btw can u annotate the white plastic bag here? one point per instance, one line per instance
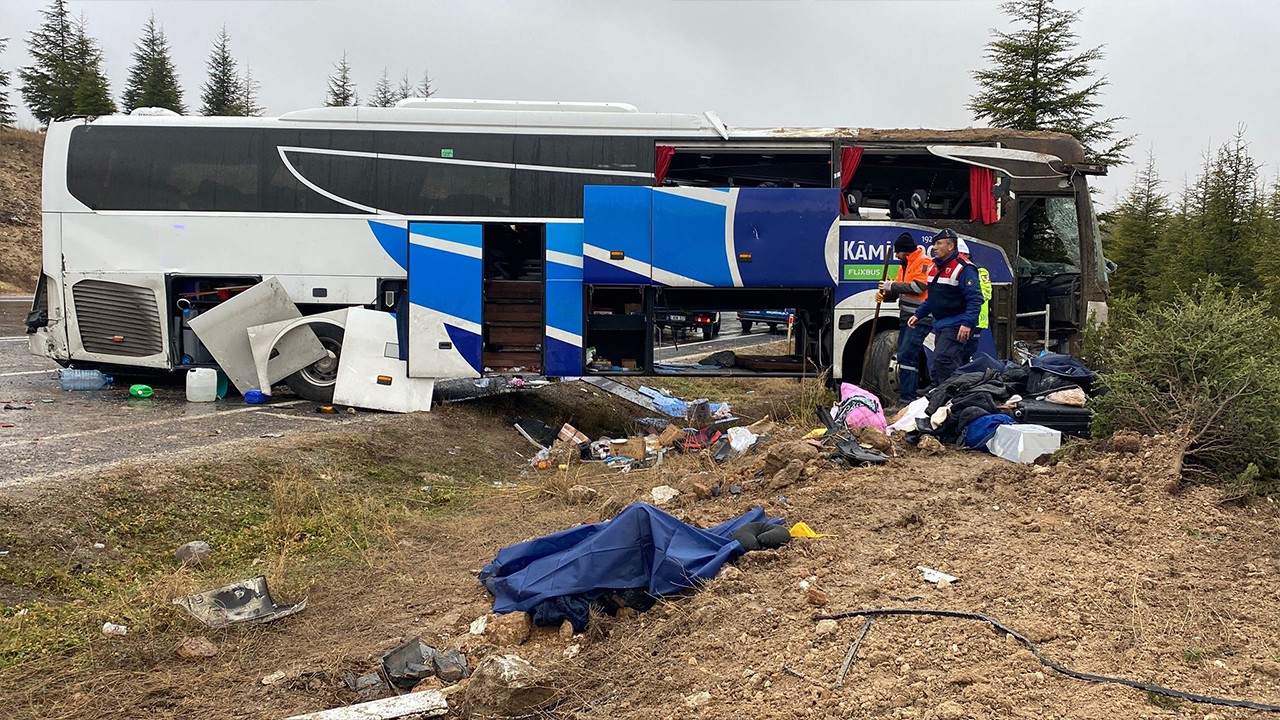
(740, 439)
(1023, 443)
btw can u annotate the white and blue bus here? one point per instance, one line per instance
(543, 236)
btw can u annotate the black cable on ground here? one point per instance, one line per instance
(1158, 690)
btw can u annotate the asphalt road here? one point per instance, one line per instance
(730, 338)
(46, 433)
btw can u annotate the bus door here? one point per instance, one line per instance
(445, 299)
(562, 347)
(745, 237)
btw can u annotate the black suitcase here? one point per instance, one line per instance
(1067, 419)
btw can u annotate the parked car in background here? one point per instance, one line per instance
(772, 318)
(703, 321)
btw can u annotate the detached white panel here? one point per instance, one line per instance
(295, 342)
(371, 374)
(224, 330)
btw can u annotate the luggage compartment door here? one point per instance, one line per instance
(445, 299)
(745, 237)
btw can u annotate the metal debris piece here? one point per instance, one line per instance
(409, 663)
(936, 576)
(240, 602)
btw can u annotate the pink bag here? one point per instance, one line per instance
(858, 408)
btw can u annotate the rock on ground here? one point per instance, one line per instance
(930, 445)
(191, 648)
(508, 630)
(783, 453)
(193, 553)
(787, 475)
(875, 438)
(506, 686)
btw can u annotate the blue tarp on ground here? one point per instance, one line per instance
(642, 547)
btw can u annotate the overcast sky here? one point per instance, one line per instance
(1184, 73)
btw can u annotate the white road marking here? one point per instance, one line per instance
(15, 299)
(28, 372)
(300, 417)
(161, 421)
(13, 338)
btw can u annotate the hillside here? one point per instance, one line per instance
(20, 154)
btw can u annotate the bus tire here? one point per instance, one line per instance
(316, 381)
(746, 327)
(773, 328)
(708, 332)
(882, 372)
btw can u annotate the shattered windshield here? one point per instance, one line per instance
(1049, 236)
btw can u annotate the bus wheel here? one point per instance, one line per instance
(882, 372)
(316, 381)
(746, 327)
(707, 332)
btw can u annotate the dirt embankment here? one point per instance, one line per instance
(20, 155)
(1093, 559)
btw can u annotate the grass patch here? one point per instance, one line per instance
(285, 514)
(1193, 655)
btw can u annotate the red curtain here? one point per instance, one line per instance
(850, 156)
(982, 203)
(662, 163)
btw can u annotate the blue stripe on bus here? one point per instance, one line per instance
(394, 240)
(564, 238)
(467, 344)
(561, 359)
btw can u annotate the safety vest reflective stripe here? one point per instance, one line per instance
(984, 282)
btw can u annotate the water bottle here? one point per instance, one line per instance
(79, 379)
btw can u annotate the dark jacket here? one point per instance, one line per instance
(955, 294)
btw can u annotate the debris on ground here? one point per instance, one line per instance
(426, 704)
(408, 664)
(1024, 443)
(936, 577)
(246, 601)
(110, 628)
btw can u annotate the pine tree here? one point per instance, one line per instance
(342, 89)
(383, 95)
(1219, 228)
(424, 89)
(249, 97)
(1136, 228)
(48, 86)
(6, 107)
(1038, 81)
(222, 93)
(153, 81)
(406, 89)
(92, 93)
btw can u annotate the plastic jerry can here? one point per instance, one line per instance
(202, 385)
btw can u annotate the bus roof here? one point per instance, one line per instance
(523, 116)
